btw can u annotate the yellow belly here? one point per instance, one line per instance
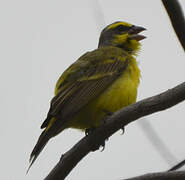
(121, 93)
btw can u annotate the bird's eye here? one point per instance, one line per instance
(122, 28)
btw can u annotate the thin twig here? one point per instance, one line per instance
(177, 166)
(175, 175)
(119, 119)
(176, 15)
(98, 14)
(157, 142)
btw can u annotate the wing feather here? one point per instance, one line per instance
(76, 93)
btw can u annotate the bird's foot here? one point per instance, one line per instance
(98, 146)
(108, 113)
(123, 130)
(103, 145)
(89, 130)
(95, 146)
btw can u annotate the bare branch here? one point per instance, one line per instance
(119, 119)
(175, 175)
(176, 15)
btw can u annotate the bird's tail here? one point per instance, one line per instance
(42, 141)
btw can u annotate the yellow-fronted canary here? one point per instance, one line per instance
(100, 81)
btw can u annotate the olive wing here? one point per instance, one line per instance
(82, 86)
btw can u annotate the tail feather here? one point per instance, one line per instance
(42, 141)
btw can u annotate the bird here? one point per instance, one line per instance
(100, 81)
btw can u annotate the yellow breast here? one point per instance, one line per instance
(121, 93)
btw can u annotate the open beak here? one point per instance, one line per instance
(135, 30)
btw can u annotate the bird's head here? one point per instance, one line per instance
(122, 35)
